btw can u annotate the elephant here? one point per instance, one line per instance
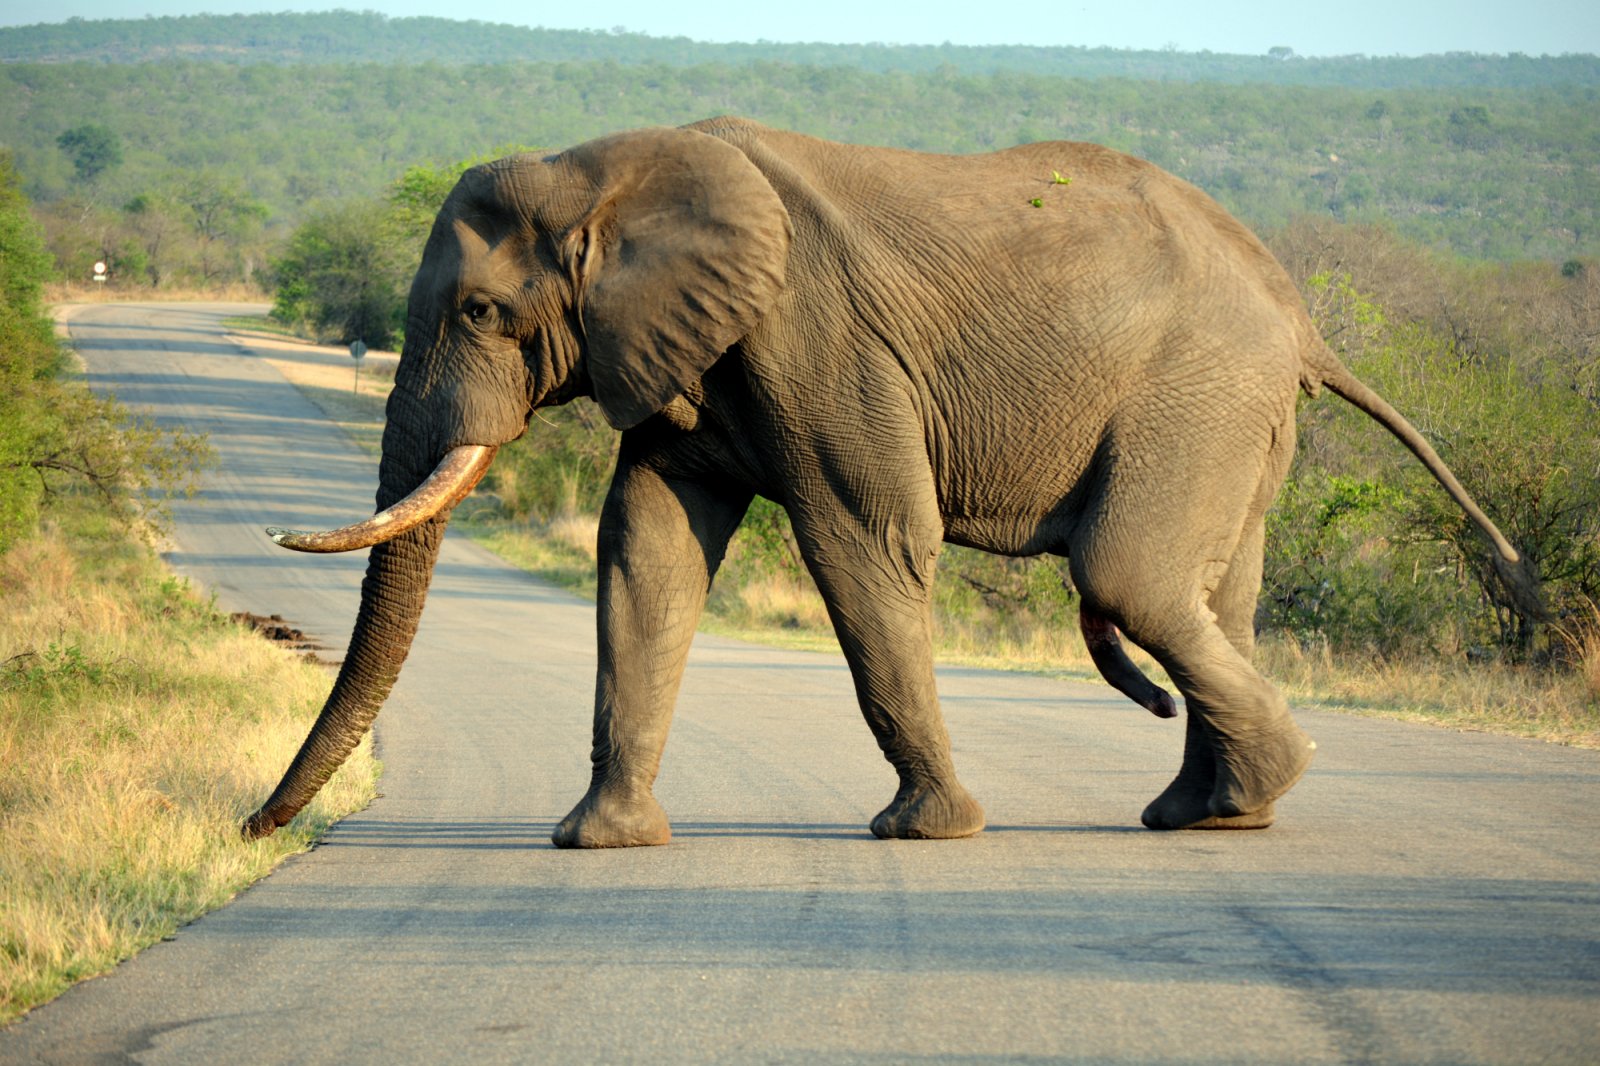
(1055, 348)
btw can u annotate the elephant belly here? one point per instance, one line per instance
(1013, 501)
(1046, 537)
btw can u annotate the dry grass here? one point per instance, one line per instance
(65, 292)
(137, 729)
(776, 602)
(580, 533)
(1583, 638)
(1527, 701)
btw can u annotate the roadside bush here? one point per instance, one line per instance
(1341, 571)
(343, 278)
(29, 359)
(561, 466)
(1364, 547)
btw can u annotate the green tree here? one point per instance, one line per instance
(222, 215)
(92, 148)
(345, 273)
(28, 356)
(155, 231)
(344, 276)
(1340, 569)
(1470, 128)
(416, 196)
(1528, 449)
(54, 435)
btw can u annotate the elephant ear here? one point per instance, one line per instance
(680, 253)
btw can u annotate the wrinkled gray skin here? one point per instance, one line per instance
(902, 350)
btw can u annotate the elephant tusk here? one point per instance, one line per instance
(457, 474)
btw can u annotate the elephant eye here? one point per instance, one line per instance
(480, 310)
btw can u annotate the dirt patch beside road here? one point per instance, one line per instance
(321, 366)
(276, 629)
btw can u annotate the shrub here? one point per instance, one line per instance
(343, 277)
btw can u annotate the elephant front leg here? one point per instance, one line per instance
(877, 587)
(660, 544)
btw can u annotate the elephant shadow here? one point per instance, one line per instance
(503, 835)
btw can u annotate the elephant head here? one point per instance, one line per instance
(620, 270)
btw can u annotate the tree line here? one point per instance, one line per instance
(1490, 174)
(346, 37)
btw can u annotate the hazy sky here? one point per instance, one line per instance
(1371, 27)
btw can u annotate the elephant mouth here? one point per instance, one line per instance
(457, 474)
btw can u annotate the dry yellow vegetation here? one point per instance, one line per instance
(137, 729)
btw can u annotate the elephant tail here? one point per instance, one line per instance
(1515, 573)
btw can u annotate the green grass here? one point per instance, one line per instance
(261, 324)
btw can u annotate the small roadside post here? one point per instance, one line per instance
(358, 351)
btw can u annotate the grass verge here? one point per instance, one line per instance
(1537, 702)
(137, 729)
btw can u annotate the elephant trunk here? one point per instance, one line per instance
(405, 537)
(392, 595)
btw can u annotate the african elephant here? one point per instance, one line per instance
(1054, 348)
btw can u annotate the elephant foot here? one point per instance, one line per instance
(1254, 771)
(604, 821)
(928, 812)
(1188, 808)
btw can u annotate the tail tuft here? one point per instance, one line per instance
(1522, 584)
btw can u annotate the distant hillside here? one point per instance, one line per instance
(341, 37)
(1496, 174)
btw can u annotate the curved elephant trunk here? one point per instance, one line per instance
(405, 539)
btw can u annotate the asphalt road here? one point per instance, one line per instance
(1427, 897)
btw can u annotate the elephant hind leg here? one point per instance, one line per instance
(1186, 802)
(1258, 750)
(1178, 569)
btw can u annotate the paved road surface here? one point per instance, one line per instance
(1427, 897)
